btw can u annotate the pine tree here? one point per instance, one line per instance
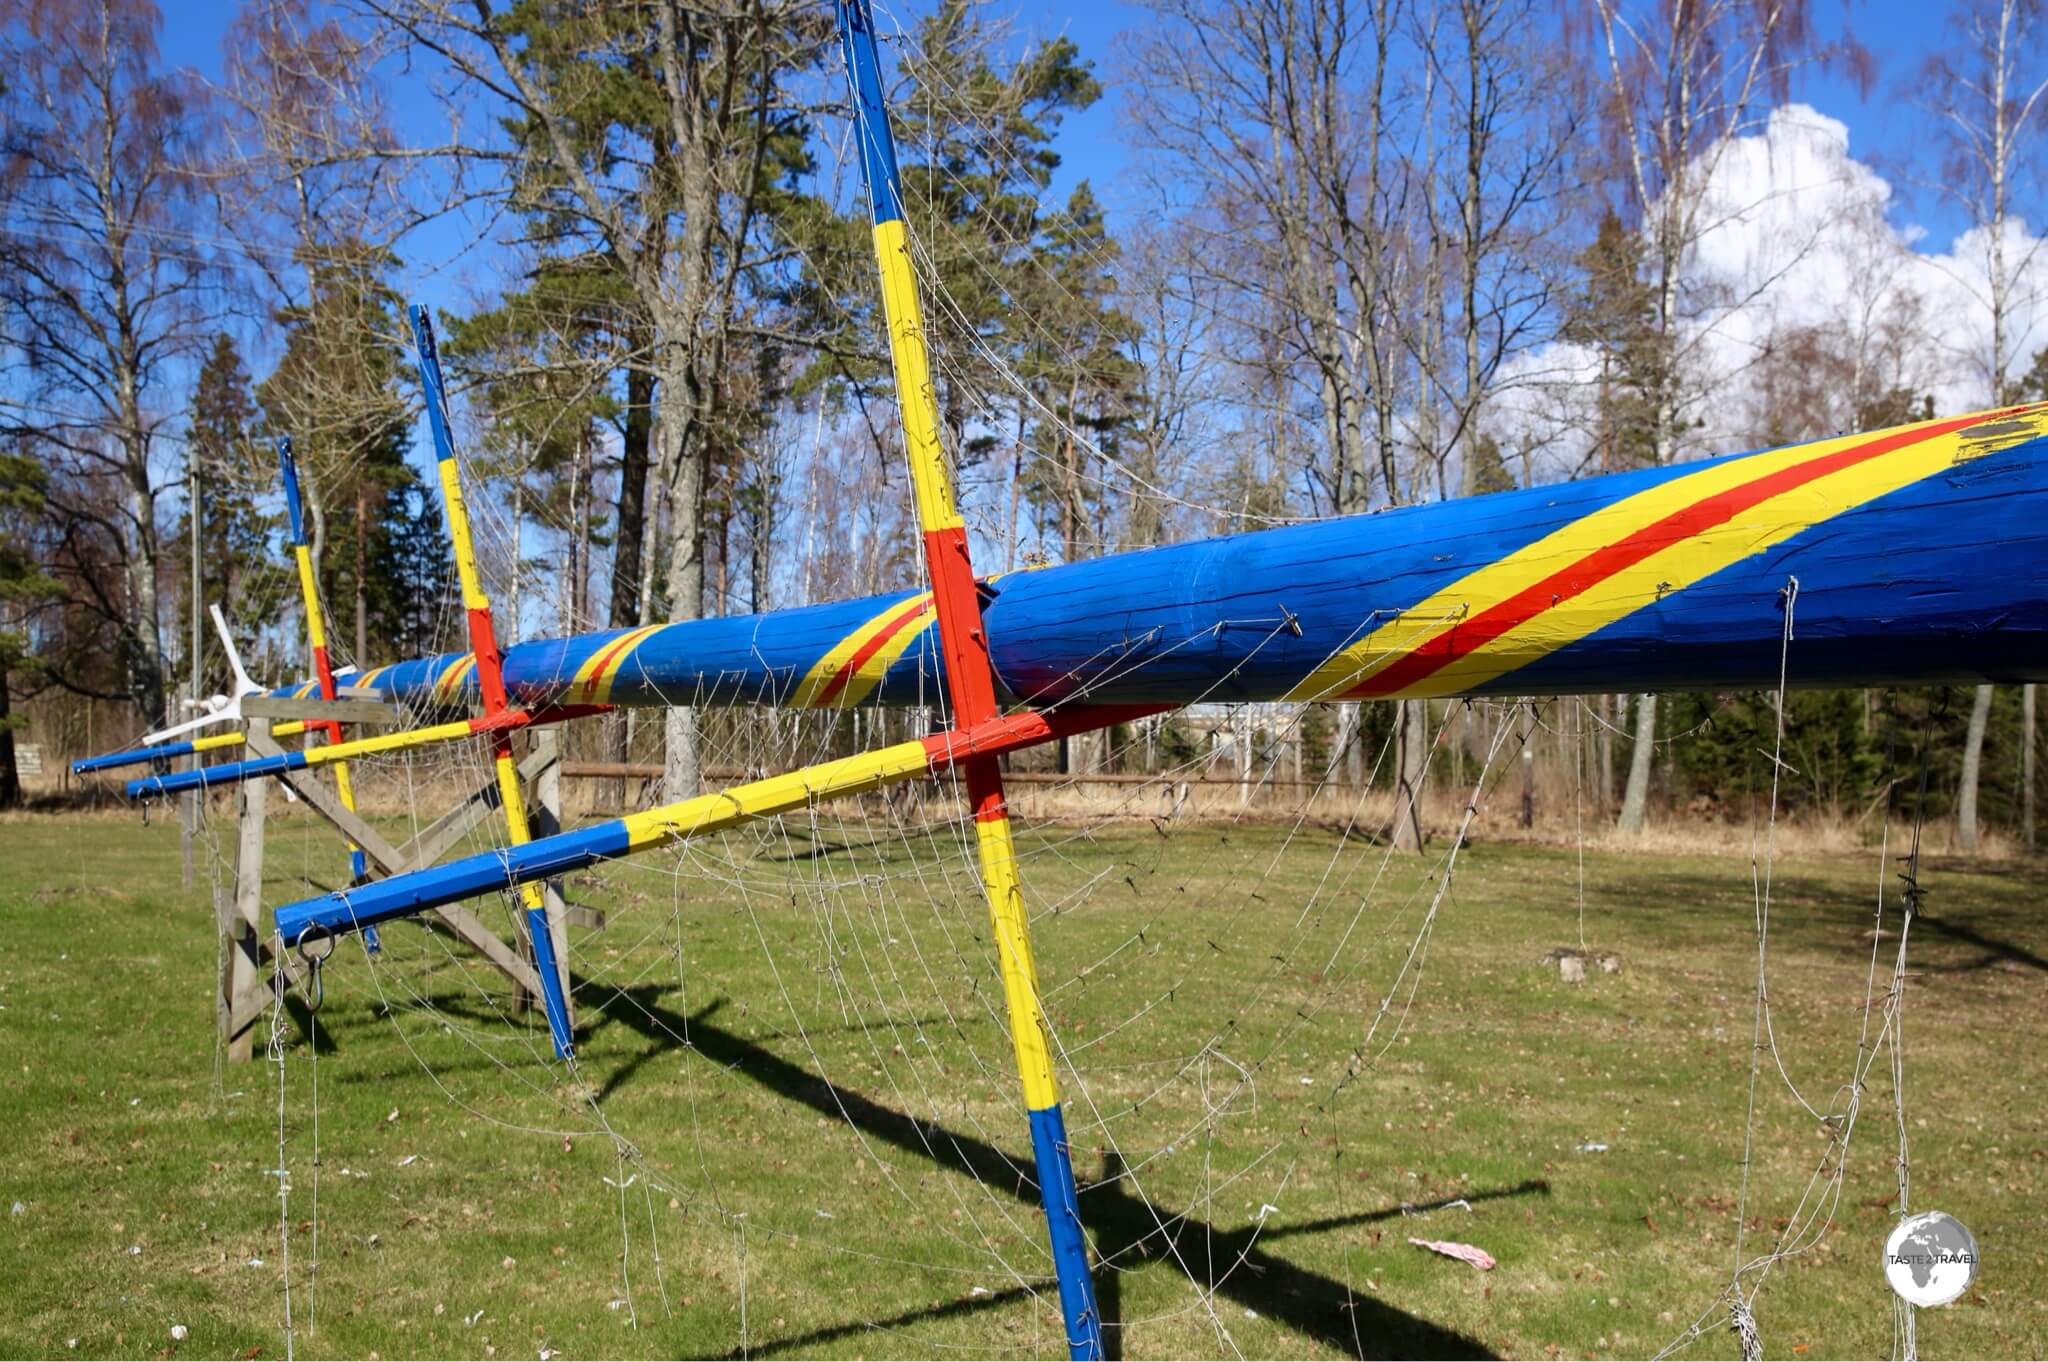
(237, 563)
(1076, 359)
(1613, 313)
(337, 391)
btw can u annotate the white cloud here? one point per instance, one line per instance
(1797, 232)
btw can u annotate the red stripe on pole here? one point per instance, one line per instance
(1468, 636)
(490, 669)
(323, 671)
(604, 660)
(969, 678)
(874, 645)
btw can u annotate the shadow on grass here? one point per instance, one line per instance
(1996, 949)
(303, 1017)
(1818, 914)
(1129, 1233)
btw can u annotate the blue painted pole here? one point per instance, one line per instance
(134, 756)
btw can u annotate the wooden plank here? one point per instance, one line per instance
(376, 713)
(307, 785)
(257, 999)
(432, 842)
(638, 770)
(242, 968)
(470, 928)
(461, 921)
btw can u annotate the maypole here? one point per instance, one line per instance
(970, 680)
(490, 676)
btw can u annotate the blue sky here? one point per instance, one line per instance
(1884, 126)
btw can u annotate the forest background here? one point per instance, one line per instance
(1192, 267)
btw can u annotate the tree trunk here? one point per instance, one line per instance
(683, 461)
(1635, 800)
(1603, 755)
(633, 460)
(145, 643)
(1411, 758)
(1528, 816)
(2027, 765)
(10, 776)
(1973, 766)
(763, 556)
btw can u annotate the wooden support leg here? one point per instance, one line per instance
(391, 861)
(241, 953)
(436, 838)
(247, 984)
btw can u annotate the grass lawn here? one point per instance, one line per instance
(806, 1137)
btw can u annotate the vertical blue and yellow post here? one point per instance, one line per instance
(490, 675)
(970, 680)
(316, 639)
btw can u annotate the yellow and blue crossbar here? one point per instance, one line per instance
(137, 756)
(229, 773)
(546, 857)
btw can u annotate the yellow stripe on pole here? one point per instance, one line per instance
(777, 794)
(316, 636)
(309, 588)
(220, 741)
(401, 741)
(592, 684)
(1013, 955)
(873, 668)
(1675, 567)
(517, 830)
(936, 509)
(473, 597)
(448, 687)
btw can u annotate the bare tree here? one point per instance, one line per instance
(1172, 298)
(1496, 121)
(306, 179)
(1986, 97)
(102, 273)
(1270, 122)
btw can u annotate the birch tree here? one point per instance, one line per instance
(1985, 94)
(103, 277)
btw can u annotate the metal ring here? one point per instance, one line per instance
(310, 937)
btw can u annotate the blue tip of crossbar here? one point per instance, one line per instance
(135, 756)
(223, 773)
(404, 895)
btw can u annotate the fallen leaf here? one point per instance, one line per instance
(1464, 1253)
